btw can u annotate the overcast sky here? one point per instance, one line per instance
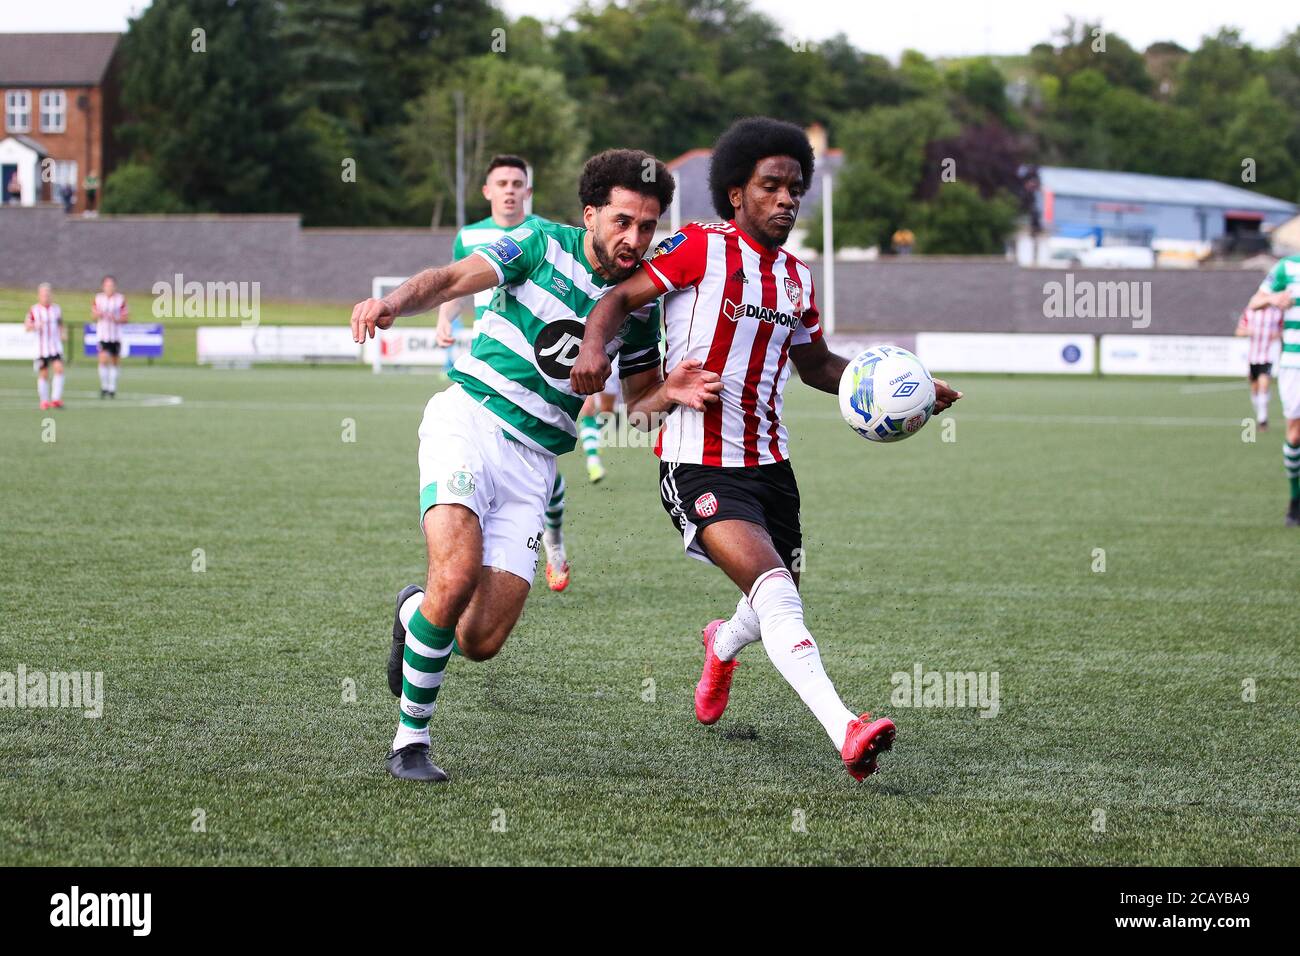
(935, 27)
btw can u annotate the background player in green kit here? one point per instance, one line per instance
(506, 189)
(1281, 288)
(488, 443)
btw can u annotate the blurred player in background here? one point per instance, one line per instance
(488, 444)
(506, 189)
(1264, 326)
(1280, 289)
(45, 319)
(110, 312)
(737, 301)
(602, 402)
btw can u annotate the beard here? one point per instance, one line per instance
(613, 271)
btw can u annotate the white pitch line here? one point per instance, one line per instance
(25, 398)
(1164, 421)
(1212, 387)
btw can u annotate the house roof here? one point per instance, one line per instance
(30, 143)
(55, 59)
(1143, 188)
(692, 171)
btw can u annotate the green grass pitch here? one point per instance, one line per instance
(227, 737)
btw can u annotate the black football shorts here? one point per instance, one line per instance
(695, 496)
(1260, 368)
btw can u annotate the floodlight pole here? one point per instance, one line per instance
(828, 256)
(675, 207)
(460, 158)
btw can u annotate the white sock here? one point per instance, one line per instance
(103, 376)
(58, 386)
(1261, 406)
(409, 607)
(112, 378)
(793, 651)
(409, 735)
(553, 538)
(733, 635)
(43, 389)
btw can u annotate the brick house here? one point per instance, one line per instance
(59, 96)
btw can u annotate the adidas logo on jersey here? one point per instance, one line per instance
(739, 276)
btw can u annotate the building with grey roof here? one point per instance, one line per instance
(1138, 208)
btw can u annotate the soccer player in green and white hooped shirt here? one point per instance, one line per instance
(488, 443)
(1281, 288)
(506, 189)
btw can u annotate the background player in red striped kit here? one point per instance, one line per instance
(110, 312)
(744, 306)
(45, 319)
(1264, 326)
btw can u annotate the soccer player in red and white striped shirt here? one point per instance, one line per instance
(1264, 326)
(45, 319)
(743, 307)
(110, 312)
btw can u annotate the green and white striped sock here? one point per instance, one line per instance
(555, 507)
(1291, 459)
(589, 432)
(428, 648)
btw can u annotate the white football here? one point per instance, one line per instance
(886, 394)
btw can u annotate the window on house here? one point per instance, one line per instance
(65, 173)
(54, 111)
(18, 111)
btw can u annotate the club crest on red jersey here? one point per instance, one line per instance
(706, 505)
(794, 292)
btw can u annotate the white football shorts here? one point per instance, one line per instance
(1288, 387)
(466, 459)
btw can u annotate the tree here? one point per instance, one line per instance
(1090, 46)
(986, 157)
(1258, 132)
(1217, 69)
(517, 109)
(135, 188)
(959, 221)
(207, 90)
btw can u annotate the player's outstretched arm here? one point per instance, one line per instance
(592, 366)
(818, 366)
(420, 293)
(821, 368)
(648, 395)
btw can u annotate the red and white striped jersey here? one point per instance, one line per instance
(112, 314)
(47, 323)
(1264, 326)
(737, 307)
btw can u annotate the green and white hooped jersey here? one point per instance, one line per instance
(1285, 277)
(528, 337)
(473, 237)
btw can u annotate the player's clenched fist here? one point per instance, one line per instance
(590, 371)
(370, 315)
(691, 385)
